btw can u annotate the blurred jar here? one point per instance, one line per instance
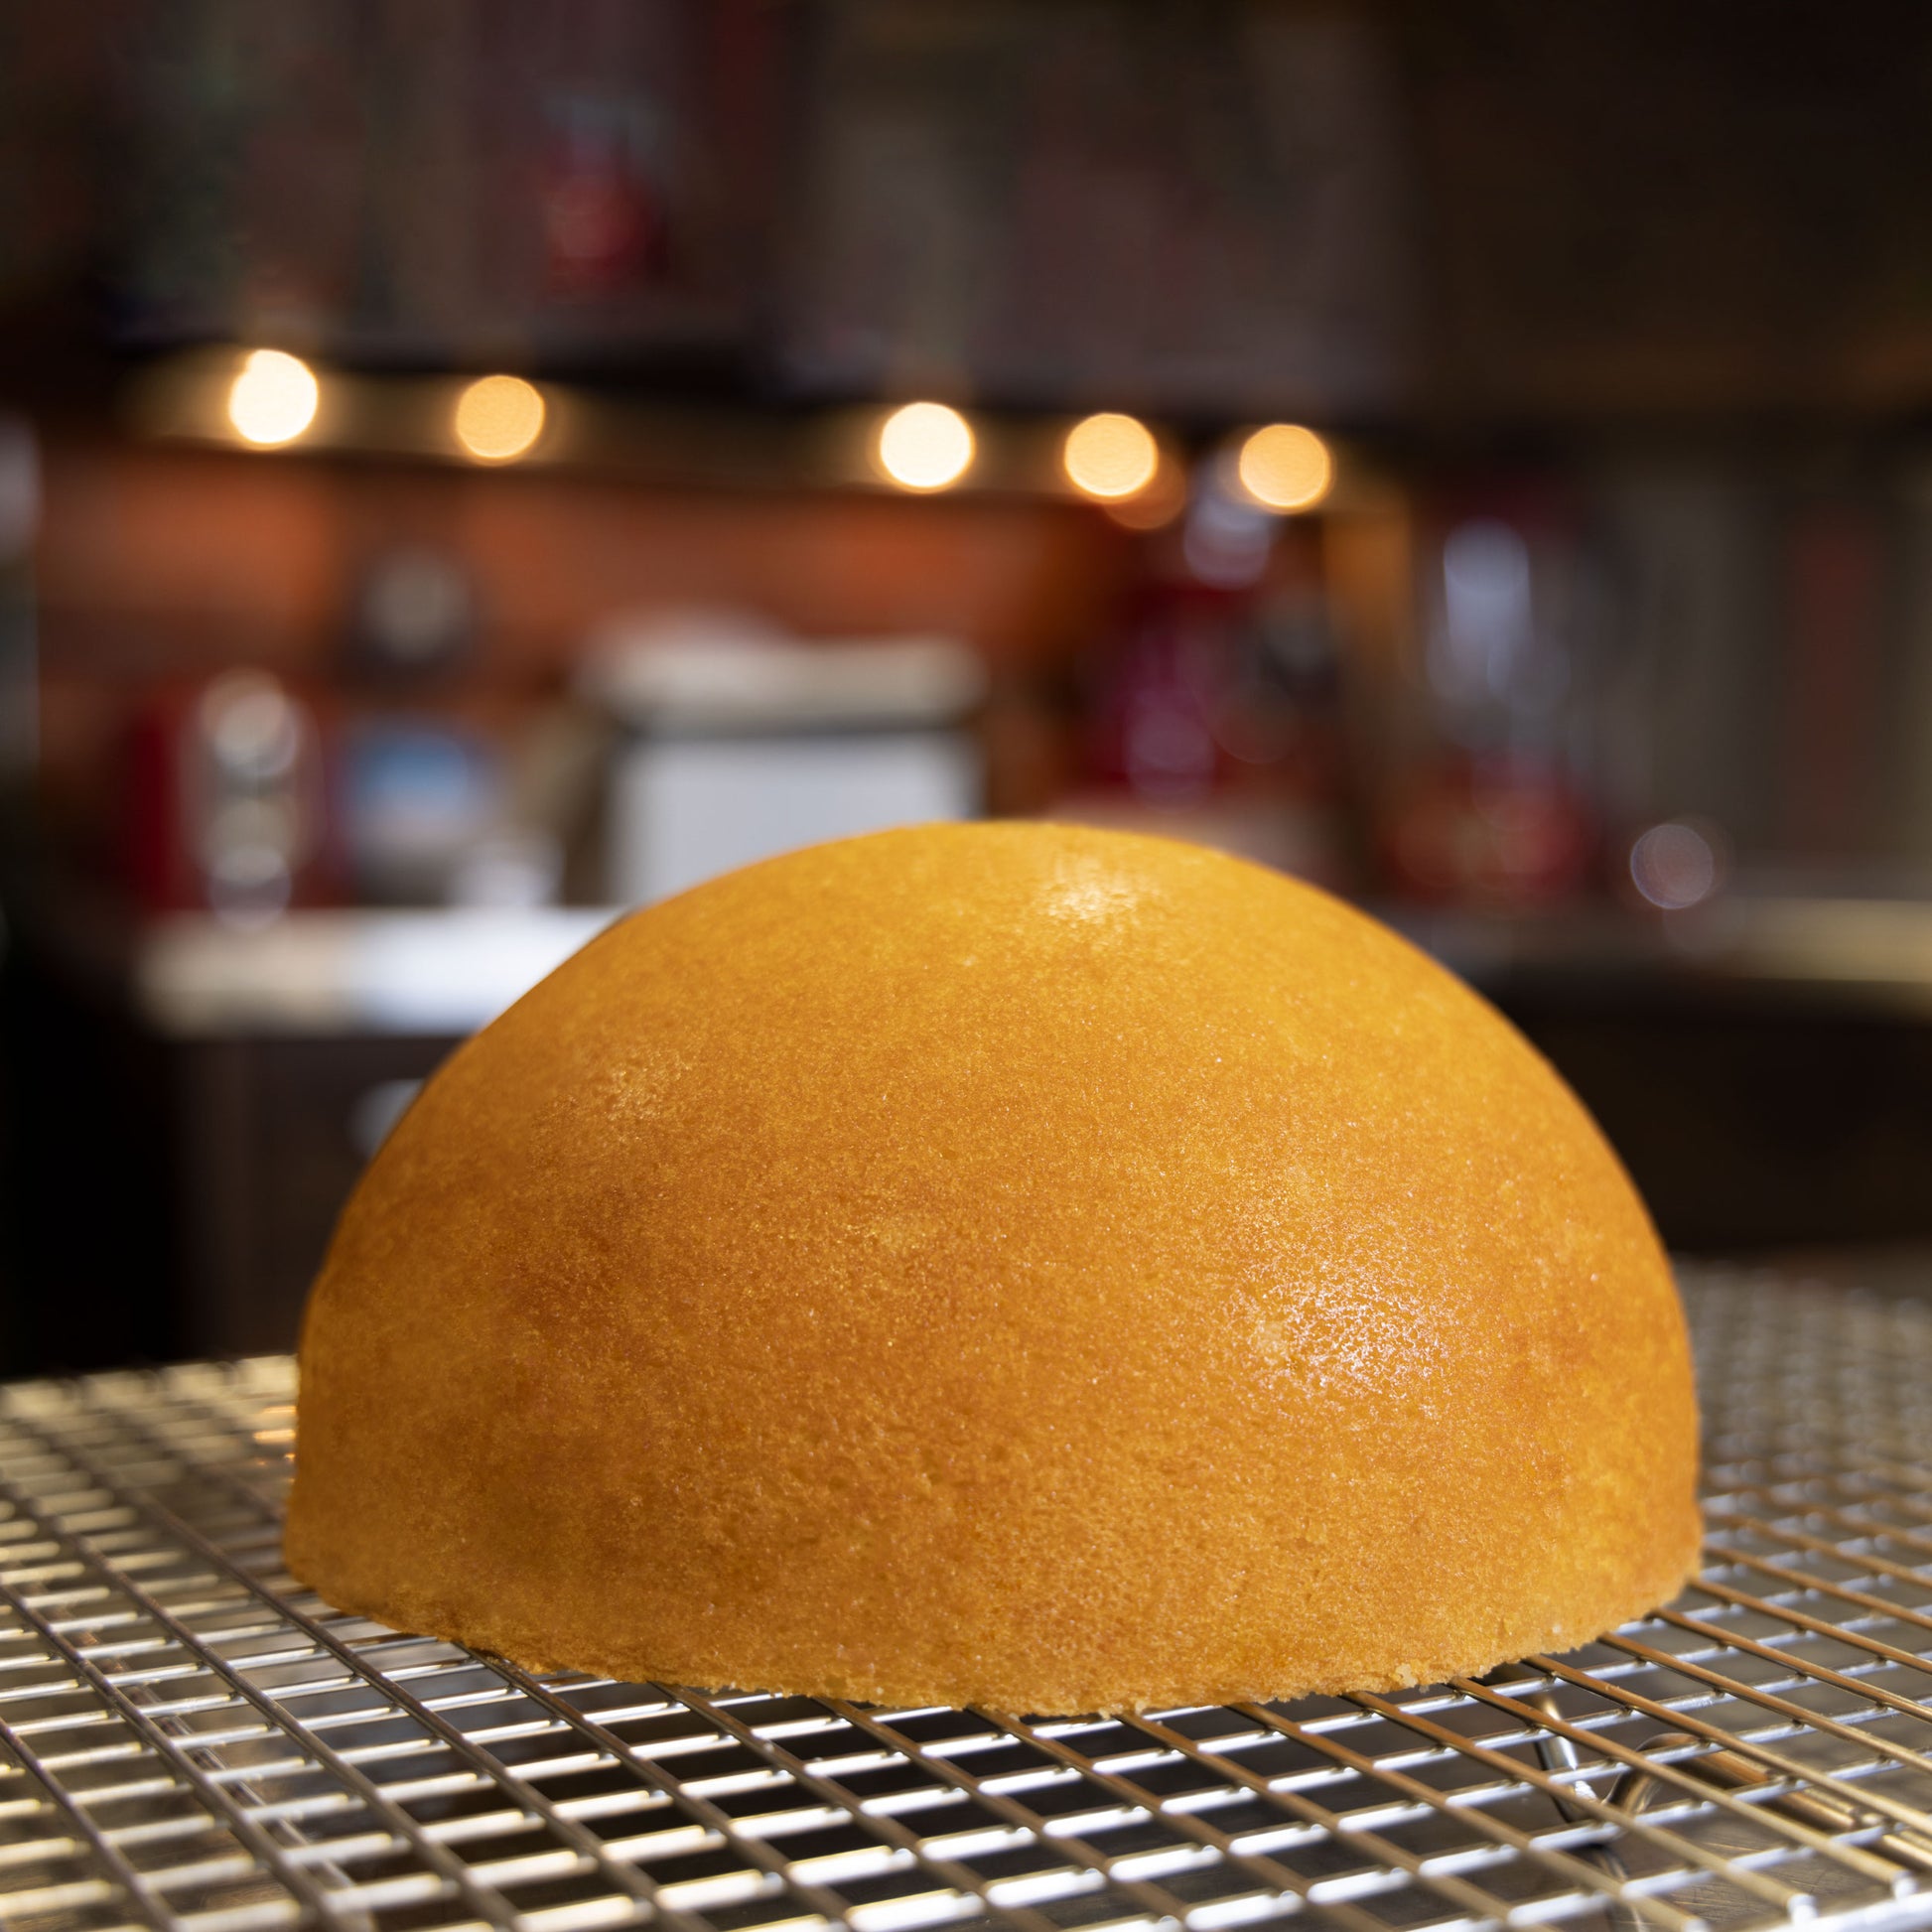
(1215, 717)
(226, 807)
(420, 803)
(1496, 808)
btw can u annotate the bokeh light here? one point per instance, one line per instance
(925, 446)
(498, 418)
(1157, 506)
(273, 399)
(1110, 456)
(1285, 467)
(1675, 865)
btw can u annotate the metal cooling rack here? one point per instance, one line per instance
(188, 1739)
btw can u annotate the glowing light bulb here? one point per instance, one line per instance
(498, 418)
(925, 446)
(1110, 457)
(273, 399)
(1285, 467)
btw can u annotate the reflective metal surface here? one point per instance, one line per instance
(187, 1738)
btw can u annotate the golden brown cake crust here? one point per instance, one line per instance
(1004, 1264)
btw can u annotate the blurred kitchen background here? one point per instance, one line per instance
(469, 467)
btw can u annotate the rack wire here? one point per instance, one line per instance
(190, 1740)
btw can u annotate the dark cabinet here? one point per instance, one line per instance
(270, 1136)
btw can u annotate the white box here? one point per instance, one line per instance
(684, 809)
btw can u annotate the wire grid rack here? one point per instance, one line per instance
(189, 1739)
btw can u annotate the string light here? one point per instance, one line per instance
(925, 446)
(498, 418)
(1285, 467)
(273, 399)
(1110, 457)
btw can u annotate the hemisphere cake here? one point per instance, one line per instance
(1006, 1264)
